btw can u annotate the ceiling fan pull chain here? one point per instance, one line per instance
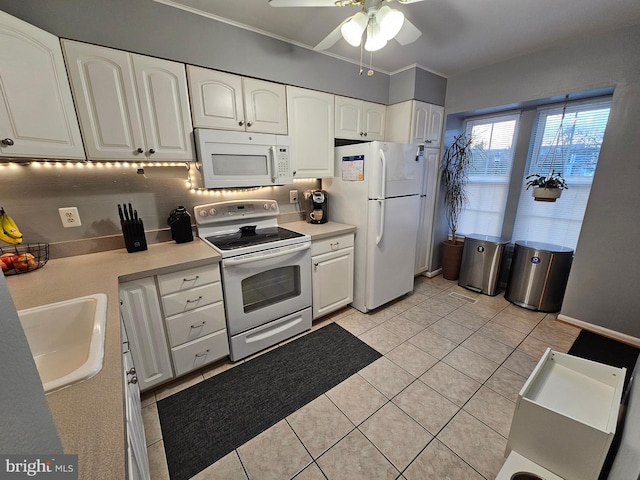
(361, 49)
(370, 72)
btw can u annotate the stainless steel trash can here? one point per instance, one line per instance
(538, 276)
(481, 259)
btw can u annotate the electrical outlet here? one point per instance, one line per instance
(69, 217)
(293, 196)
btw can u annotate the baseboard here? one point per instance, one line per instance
(435, 273)
(605, 332)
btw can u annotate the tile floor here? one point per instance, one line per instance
(437, 405)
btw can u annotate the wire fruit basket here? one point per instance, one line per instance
(23, 258)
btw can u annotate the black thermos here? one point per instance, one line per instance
(180, 223)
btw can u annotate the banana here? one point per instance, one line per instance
(9, 232)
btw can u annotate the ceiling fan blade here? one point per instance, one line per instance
(409, 1)
(302, 3)
(409, 33)
(332, 38)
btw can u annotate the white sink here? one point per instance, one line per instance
(66, 339)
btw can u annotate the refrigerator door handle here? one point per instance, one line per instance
(380, 222)
(383, 176)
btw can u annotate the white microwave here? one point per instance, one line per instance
(229, 159)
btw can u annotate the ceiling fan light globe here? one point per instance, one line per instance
(375, 39)
(353, 29)
(390, 21)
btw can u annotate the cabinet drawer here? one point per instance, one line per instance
(197, 323)
(181, 302)
(198, 353)
(185, 279)
(331, 244)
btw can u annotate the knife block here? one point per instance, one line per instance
(133, 233)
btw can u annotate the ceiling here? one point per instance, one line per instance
(457, 35)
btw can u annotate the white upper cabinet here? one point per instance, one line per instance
(311, 132)
(230, 102)
(415, 122)
(131, 107)
(359, 120)
(37, 117)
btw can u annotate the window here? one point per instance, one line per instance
(490, 175)
(573, 151)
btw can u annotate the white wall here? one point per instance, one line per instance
(602, 287)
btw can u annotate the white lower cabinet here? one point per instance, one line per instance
(176, 323)
(137, 459)
(332, 274)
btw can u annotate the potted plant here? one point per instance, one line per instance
(546, 188)
(456, 164)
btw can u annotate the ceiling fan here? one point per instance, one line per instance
(381, 23)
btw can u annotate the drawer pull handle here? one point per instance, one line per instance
(194, 301)
(202, 354)
(191, 279)
(198, 325)
(335, 246)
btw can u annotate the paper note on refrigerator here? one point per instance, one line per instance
(353, 168)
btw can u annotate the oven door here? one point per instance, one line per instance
(263, 286)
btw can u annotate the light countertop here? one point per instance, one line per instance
(89, 416)
(318, 231)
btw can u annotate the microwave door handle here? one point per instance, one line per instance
(272, 154)
(266, 256)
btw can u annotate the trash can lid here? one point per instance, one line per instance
(543, 246)
(486, 238)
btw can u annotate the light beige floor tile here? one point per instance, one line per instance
(438, 462)
(380, 315)
(487, 347)
(420, 316)
(381, 339)
(356, 398)
(432, 343)
(442, 283)
(503, 334)
(467, 319)
(506, 382)
(412, 359)
(227, 468)
(534, 347)
(386, 376)
(402, 327)
(439, 307)
(426, 288)
(158, 469)
(151, 421)
(521, 363)
(414, 298)
(216, 368)
(483, 309)
(451, 330)
(449, 382)
(396, 435)
(319, 425)
(426, 406)
(274, 454)
(356, 323)
(475, 443)
(178, 385)
(312, 472)
(147, 398)
(454, 297)
(555, 332)
(401, 304)
(492, 409)
(473, 365)
(524, 312)
(356, 458)
(517, 322)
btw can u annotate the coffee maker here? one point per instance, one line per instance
(316, 206)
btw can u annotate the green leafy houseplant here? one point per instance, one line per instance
(456, 163)
(546, 188)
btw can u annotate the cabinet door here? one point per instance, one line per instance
(311, 132)
(142, 318)
(216, 99)
(424, 246)
(373, 119)
(37, 116)
(265, 106)
(105, 93)
(436, 120)
(420, 122)
(332, 281)
(348, 120)
(164, 103)
(398, 122)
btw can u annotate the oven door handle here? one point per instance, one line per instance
(266, 256)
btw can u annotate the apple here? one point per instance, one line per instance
(24, 262)
(7, 261)
(4, 266)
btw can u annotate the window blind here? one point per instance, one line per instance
(571, 146)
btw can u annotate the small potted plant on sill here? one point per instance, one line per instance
(546, 188)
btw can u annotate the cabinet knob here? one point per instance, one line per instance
(365, 134)
(7, 142)
(131, 371)
(133, 380)
(249, 124)
(139, 150)
(428, 141)
(241, 123)
(151, 151)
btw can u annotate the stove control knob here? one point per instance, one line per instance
(213, 212)
(273, 206)
(203, 213)
(266, 206)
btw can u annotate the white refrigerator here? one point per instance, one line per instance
(377, 188)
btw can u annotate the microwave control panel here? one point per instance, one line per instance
(283, 162)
